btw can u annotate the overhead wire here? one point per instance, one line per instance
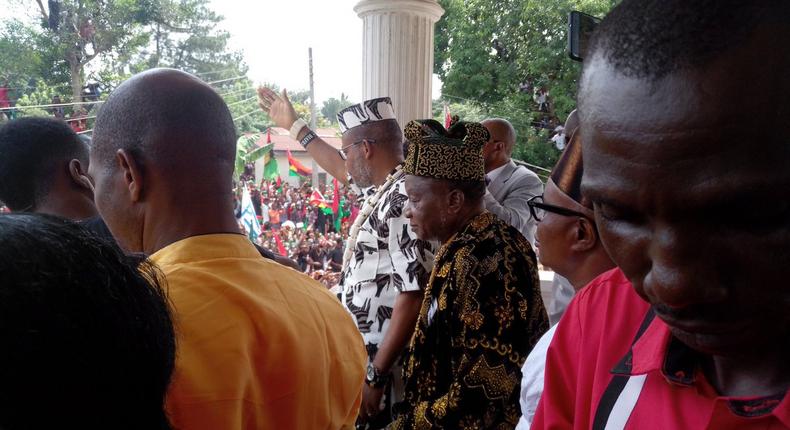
(247, 114)
(80, 119)
(52, 105)
(227, 80)
(95, 102)
(215, 72)
(236, 91)
(242, 101)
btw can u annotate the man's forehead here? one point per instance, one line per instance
(614, 102)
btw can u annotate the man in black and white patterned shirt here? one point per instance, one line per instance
(385, 266)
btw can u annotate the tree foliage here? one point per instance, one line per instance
(74, 42)
(493, 55)
(332, 106)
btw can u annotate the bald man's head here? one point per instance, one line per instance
(499, 148)
(501, 130)
(167, 118)
(164, 149)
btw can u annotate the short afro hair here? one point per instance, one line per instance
(31, 150)
(654, 38)
(86, 331)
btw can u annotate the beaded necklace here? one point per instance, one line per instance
(364, 214)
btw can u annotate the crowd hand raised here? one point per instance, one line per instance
(278, 107)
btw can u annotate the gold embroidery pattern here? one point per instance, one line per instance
(473, 320)
(495, 381)
(436, 155)
(466, 365)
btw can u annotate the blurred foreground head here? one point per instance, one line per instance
(691, 196)
(86, 335)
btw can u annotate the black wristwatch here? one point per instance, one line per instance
(374, 378)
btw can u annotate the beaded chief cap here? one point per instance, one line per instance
(455, 154)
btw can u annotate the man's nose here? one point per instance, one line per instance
(679, 276)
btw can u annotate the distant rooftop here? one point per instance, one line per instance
(282, 140)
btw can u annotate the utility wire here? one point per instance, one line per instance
(236, 91)
(242, 101)
(80, 119)
(227, 80)
(214, 72)
(102, 101)
(51, 105)
(247, 114)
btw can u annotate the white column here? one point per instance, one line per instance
(398, 53)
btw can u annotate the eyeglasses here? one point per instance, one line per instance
(344, 154)
(538, 209)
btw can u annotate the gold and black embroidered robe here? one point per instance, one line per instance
(480, 318)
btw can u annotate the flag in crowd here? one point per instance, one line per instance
(296, 168)
(248, 217)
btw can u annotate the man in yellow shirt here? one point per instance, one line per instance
(260, 346)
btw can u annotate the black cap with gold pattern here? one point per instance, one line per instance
(455, 154)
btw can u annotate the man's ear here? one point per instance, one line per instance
(80, 176)
(455, 201)
(131, 172)
(586, 235)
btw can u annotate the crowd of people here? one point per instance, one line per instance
(131, 297)
(300, 223)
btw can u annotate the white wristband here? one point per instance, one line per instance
(297, 126)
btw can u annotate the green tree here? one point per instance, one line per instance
(493, 54)
(83, 30)
(332, 106)
(26, 57)
(114, 39)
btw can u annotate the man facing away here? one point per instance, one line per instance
(385, 265)
(43, 169)
(509, 186)
(259, 345)
(692, 205)
(482, 311)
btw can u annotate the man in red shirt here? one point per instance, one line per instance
(693, 204)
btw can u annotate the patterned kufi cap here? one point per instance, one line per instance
(369, 111)
(454, 154)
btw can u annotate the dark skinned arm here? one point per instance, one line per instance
(401, 327)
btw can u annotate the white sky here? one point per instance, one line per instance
(274, 36)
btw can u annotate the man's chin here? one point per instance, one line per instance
(719, 344)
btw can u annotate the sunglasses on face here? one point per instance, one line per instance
(538, 209)
(344, 150)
